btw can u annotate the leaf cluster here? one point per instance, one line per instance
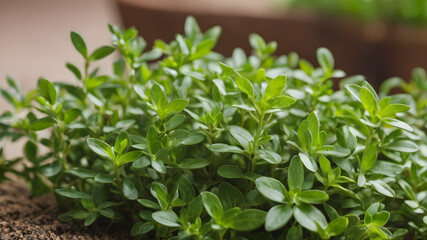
(180, 142)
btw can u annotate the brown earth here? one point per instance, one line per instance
(25, 217)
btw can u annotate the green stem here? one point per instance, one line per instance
(253, 163)
(62, 143)
(118, 182)
(258, 136)
(260, 124)
(242, 120)
(86, 69)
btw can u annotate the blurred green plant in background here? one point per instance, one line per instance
(394, 11)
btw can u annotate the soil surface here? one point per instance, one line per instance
(25, 217)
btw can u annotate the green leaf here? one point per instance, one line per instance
(325, 165)
(95, 82)
(213, 33)
(307, 216)
(191, 27)
(257, 42)
(30, 151)
(354, 91)
(83, 173)
(10, 97)
(108, 213)
(71, 115)
(269, 156)
(74, 70)
(51, 169)
(224, 148)
(193, 138)
(158, 165)
(313, 196)
(387, 168)
(153, 143)
(129, 190)
(244, 85)
(176, 105)
(272, 189)
(368, 101)
(313, 126)
(141, 228)
(229, 216)
(122, 143)
(160, 193)
(141, 162)
(182, 44)
(226, 70)
(391, 110)
(283, 102)
(42, 124)
(90, 219)
(101, 148)
(337, 226)
(195, 208)
(101, 53)
(191, 163)
(308, 162)
(12, 83)
(295, 233)
(325, 59)
(405, 146)
(104, 178)
(369, 157)
(248, 220)
(277, 217)
(380, 219)
(128, 157)
(149, 204)
(230, 171)
(398, 124)
(48, 91)
(295, 174)
(186, 189)
(242, 136)
(175, 122)
(383, 188)
(230, 196)
(275, 87)
(70, 193)
(158, 97)
(166, 218)
(79, 44)
(212, 205)
(203, 48)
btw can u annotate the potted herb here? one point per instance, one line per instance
(182, 143)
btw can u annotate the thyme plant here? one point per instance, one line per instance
(180, 142)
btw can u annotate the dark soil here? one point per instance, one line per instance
(25, 217)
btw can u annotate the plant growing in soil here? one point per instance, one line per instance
(182, 143)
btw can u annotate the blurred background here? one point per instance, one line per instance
(376, 38)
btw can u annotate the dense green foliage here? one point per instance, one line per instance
(395, 11)
(198, 146)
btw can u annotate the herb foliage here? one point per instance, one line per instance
(182, 143)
